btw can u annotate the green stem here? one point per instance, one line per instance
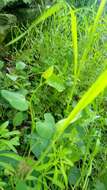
(32, 111)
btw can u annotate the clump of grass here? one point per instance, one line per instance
(59, 149)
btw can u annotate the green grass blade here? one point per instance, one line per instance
(75, 53)
(88, 97)
(46, 14)
(92, 33)
(74, 39)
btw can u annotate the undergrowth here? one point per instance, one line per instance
(53, 130)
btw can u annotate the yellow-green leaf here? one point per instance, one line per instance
(48, 72)
(87, 98)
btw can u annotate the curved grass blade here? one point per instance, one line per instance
(92, 34)
(87, 98)
(46, 14)
(74, 39)
(75, 52)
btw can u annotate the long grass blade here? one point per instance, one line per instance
(75, 52)
(74, 39)
(92, 34)
(88, 97)
(46, 14)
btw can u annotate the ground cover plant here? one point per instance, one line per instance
(53, 99)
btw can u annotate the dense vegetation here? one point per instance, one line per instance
(53, 96)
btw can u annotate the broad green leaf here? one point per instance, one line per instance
(18, 119)
(46, 129)
(38, 144)
(99, 186)
(15, 99)
(41, 139)
(21, 185)
(20, 65)
(50, 119)
(74, 175)
(56, 82)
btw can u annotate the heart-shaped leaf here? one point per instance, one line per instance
(38, 144)
(56, 82)
(74, 175)
(15, 99)
(46, 129)
(41, 138)
(18, 119)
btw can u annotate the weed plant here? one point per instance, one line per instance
(53, 130)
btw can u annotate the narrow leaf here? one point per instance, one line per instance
(74, 39)
(47, 13)
(88, 97)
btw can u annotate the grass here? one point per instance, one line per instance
(59, 66)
